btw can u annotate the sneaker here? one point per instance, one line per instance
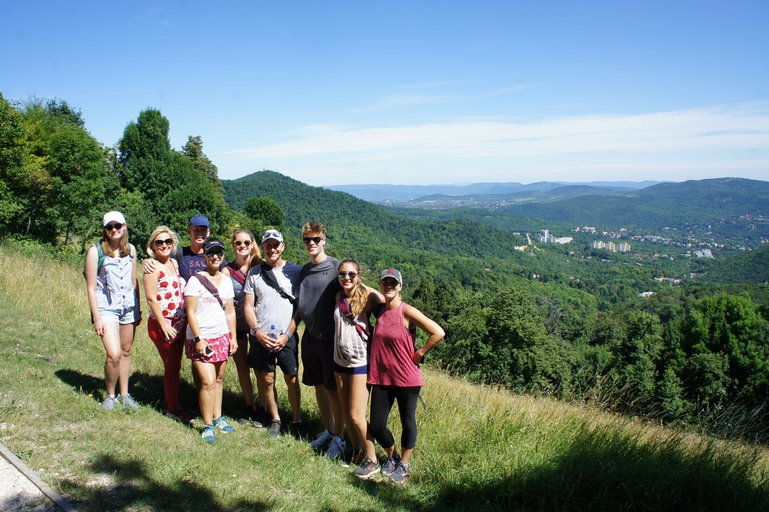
(321, 441)
(209, 434)
(250, 416)
(367, 469)
(274, 430)
(180, 415)
(296, 429)
(390, 464)
(335, 448)
(109, 403)
(221, 424)
(401, 473)
(128, 401)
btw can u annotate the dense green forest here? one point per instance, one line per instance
(566, 321)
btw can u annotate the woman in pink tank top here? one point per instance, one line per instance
(394, 375)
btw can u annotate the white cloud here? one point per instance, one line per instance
(704, 129)
(677, 145)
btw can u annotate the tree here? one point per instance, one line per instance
(170, 184)
(193, 150)
(265, 211)
(727, 343)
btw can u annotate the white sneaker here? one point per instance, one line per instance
(336, 448)
(321, 440)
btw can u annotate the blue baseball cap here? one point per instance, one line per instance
(199, 220)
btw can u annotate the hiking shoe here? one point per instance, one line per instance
(128, 401)
(208, 434)
(335, 448)
(321, 441)
(274, 430)
(390, 464)
(296, 429)
(401, 473)
(254, 416)
(367, 469)
(109, 403)
(221, 424)
(180, 415)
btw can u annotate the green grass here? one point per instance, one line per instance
(479, 448)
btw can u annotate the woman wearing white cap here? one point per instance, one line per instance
(113, 296)
(394, 376)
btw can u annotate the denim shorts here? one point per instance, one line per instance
(119, 314)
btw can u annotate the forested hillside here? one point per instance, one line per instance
(658, 206)
(750, 267)
(457, 251)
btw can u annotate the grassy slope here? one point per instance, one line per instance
(479, 448)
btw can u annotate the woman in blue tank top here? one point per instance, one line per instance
(113, 296)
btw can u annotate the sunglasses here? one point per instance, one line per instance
(308, 239)
(215, 254)
(114, 226)
(348, 275)
(238, 243)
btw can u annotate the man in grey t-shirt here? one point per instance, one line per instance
(270, 290)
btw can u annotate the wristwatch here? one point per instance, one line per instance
(196, 339)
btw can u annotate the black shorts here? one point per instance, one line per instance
(262, 360)
(318, 362)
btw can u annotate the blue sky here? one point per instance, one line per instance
(415, 92)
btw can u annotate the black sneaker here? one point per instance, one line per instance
(296, 429)
(274, 430)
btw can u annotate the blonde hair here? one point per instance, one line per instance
(254, 255)
(314, 227)
(158, 230)
(359, 294)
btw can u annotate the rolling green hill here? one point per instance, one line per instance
(461, 248)
(658, 206)
(749, 267)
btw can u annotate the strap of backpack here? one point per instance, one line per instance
(208, 285)
(236, 273)
(269, 279)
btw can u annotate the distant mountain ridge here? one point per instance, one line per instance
(384, 192)
(658, 206)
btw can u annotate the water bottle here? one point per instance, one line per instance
(273, 334)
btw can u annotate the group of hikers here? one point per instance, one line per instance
(249, 309)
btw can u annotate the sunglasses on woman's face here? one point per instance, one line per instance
(215, 254)
(348, 275)
(308, 239)
(167, 241)
(246, 243)
(116, 226)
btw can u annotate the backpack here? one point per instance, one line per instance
(100, 253)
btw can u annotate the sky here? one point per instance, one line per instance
(415, 92)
